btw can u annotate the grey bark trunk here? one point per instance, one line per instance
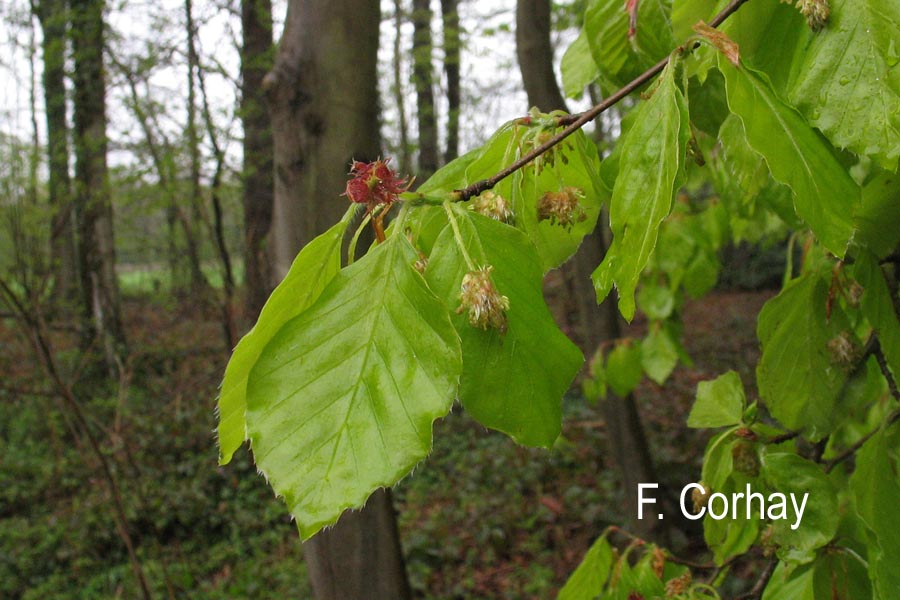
(100, 289)
(53, 17)
(536, 55)
(423, 80)
(452, 47)
(322, 90)
(256, 60)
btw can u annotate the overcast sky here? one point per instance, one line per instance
(491, 84)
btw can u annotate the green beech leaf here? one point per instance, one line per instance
(624, 370)
(651, 165)
(574, 163)
(686, 14)
(656, 301)
(659, 354)
(512, 381)
(878, 218)
(876, 488)
(590, 577)
(824, 193)
(878, 308)
(620, 60)
(788, 473)
(798, 378)
(719, 402)
(841, 574)
(578, 67)
(848, 81)
(791, 584)
(730, 537)
(316, 264)
(342, 399)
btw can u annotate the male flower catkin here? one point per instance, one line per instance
(562, 208)
(494, 206)
(816, 12)
(479, 295)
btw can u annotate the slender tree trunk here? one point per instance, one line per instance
(405, 164)
(322, 92)
(229, 327)
(536, 55)
(423, 81)
(199, 284)
(52, 15)
(100, 289)
(627, 443)
(450, 14)
(256, 60)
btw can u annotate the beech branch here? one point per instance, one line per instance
(575, 122)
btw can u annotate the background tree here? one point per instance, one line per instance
(100, 287)
(53, 17)
(452, 51)
(314, 146)
(424, 85)
(256, 60)
(595, 324)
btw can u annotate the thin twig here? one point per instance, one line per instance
(832, 463)
(882, 364)
(762, 582)
(577, 121)
(42, 349)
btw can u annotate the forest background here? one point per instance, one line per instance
(142, 230)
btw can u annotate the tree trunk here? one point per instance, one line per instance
(199, 284)
(450, 16)
(536, 55)
(100, 289)
(627, 443)
(404, 164)
(422, 79)
(322, 93)
(53, 17)
(256, 60)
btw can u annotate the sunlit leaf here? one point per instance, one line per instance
(590, 577)
(342, 399)
(312, 270)
(719, 402)
(578, 67)
(848, 80)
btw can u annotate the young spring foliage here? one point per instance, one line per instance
(737, 138)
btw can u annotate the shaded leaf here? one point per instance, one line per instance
(788, 473)
(624, 370)
(659, 354)
(797, 376)
(651, 166)
(824, 194)
(511, 382)
(876, 488)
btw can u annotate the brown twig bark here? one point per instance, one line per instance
(575, 122)
(32, 326)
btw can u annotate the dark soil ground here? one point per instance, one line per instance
(481, 518)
